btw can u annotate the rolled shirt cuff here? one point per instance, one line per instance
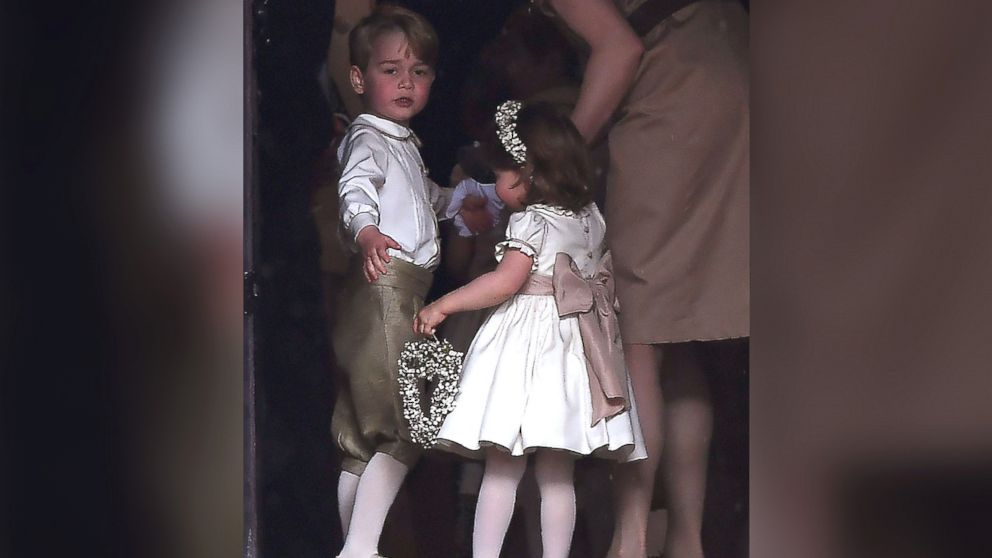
(360, 221)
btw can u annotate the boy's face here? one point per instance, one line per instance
(396, 84)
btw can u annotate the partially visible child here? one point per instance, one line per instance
(545, 373)
(469, 187)
(470, 254)
(467, 256)
(389, 213)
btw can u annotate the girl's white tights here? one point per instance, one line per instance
(498, 494)
(555, 480)
(377, 488)
(497, 497)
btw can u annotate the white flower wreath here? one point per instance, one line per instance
(421, 362)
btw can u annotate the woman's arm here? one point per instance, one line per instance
(485, 291)
(614, 55)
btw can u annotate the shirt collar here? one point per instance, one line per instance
(388, 128)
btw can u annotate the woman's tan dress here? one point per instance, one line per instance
(677, 194)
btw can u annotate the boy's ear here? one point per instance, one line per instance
(357, 80)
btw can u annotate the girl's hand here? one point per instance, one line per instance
(428, 319)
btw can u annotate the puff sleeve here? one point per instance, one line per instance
(525, 231)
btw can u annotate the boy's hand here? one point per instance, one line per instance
(428, 319)
(374, 244)
(477, 218)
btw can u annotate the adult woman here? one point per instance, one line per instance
(677, 213)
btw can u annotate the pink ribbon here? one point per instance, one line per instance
(593, 302)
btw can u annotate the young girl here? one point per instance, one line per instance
(545, 372)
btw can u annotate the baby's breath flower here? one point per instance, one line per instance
(421, 362)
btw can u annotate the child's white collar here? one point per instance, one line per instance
(388, 128)
(556, 210)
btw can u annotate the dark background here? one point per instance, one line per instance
(297, 468)
(870, 270)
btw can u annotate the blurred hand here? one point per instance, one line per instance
(474, 202)
(477, 218)
(374, 247)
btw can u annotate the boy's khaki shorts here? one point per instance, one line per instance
(372, 324)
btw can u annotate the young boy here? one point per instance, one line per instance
(389, 211)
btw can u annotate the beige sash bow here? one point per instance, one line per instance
(592, 301)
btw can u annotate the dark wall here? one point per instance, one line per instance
(296, 506)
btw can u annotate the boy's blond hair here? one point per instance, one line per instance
(418, 31)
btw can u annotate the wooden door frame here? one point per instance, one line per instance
(250, 97)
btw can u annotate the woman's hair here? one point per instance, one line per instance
(532, 33)
(545, 8)
(529, 42)
(386, 19)
(563, 172)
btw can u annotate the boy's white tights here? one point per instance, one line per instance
(347, 488)
(498, 494)
(376, 490)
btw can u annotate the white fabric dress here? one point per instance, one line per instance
(524, 382)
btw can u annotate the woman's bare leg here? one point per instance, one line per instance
(634, 482)
(688, 428)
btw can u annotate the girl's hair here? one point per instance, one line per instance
(563, 172)
(388, 18)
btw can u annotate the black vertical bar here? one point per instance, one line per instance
(251, 545)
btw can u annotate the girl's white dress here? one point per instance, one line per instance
(524, 382)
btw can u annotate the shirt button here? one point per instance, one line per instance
(589, 254)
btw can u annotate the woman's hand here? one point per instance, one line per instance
(428, 319)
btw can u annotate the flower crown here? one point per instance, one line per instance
(506, 122)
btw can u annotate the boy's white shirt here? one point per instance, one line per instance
(384, 183)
